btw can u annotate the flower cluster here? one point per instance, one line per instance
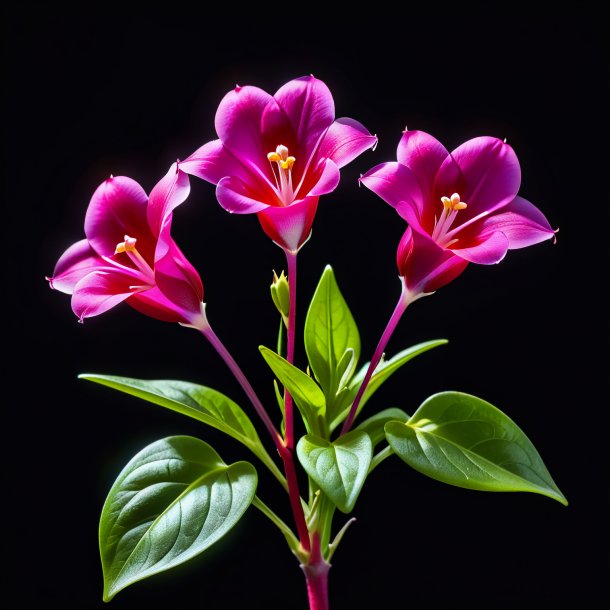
(274, 157)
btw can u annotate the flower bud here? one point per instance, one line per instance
(280, 294)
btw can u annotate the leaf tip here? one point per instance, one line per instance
(557, 495)
(108, 594)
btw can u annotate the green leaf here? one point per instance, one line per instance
(385, 369)
(374, 426)
(462, 440)
(171, 502)
(330, 330)
(345, 368)
(199, 402)
(306, 393)
(339, 468)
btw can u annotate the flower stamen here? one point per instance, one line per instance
(129, 247)
(283, 175)
(451, 206)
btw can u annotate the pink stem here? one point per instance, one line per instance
(295, 497)
(402, 304)
(223, 352)
(291, 260)
(285, 453)
(316, 576)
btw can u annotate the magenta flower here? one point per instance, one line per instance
(277, 154)
(129, 255)
(461, 207)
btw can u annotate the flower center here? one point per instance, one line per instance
(129, 247)
(283, 173)
(451, 206)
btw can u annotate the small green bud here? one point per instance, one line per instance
(280, 293)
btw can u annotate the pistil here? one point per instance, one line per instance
(129, 247)
(283, 173)
(451, 206)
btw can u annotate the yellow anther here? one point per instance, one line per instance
(288, 163)
(280, 156)
(283, 173)
(129, 245)
(454, 203)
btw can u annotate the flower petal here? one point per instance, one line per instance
(100, 291)
(328, 181)
(345, 140)
(178, 280)
(423, 155)
(73, 265)
(117, 208)
(168, 193)
(212, 162)
(426, 266)
(238, 124)
(522, 223)
(490, 250)
(485, 173)
(235, 197)
(412, 214)
(155, 304)
(394, 183)
(310, 108)
(290, 226)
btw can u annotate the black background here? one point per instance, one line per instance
(86, 96)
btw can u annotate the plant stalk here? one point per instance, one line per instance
(291, 261)
(285, 453)
(224, 353)
(316, 575)
(405, 299)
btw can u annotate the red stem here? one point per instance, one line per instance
(295, 498)
(285, 453)
(223, 352)
(316, 576)
(291, 260)
(288, 454)
(403, 302)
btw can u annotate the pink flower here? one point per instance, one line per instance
(277, 154)
(129, 255)
(461, 207)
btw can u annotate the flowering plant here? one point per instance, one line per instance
(274, 157)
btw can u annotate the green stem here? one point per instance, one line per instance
(293, 541)
(280, 337)
(382, 455)
(266, 459)
(327, 511)
(332, 547)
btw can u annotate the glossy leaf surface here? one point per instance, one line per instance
(339, 468)
(330, 330)
(462, 440)
(308, 397)
(171, 502)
